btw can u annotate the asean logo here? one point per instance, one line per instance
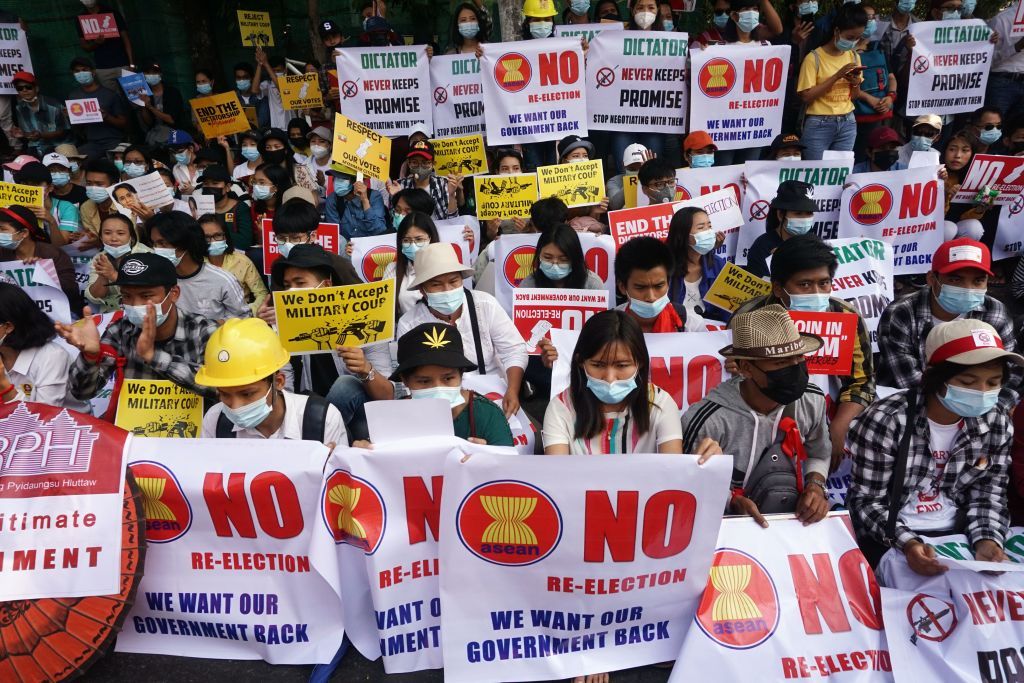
(353, 511)
(682, 194)
(510, 523)
(518, 264)
(871, 204)
(76, 109)
(168, 512)
(512, 72)
(740, 607)
(717, 77)
(376, 261)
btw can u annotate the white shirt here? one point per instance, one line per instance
(291, 427)
(214, 293)
(242, 171)
(184, 177)
(931, 509)
(279, 118)
(622, 436)
(40, 375)
(407, 298)
(1005, 57)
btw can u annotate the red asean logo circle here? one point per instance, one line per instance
(518, 264)
(512, 72)
(376, 261)
(717, 77)
(77, 109)
(168, 512)
(510, 523)
(353, 511)
(682, 193)
(871, 204)
(740, 607)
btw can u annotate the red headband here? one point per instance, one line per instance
(958, 346)
(19, 219)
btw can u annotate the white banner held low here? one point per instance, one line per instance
(864, 279)
(949, 66)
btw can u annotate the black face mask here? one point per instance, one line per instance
(885, 160)
(214, 192)
(786, 385)
(297, 143)
(275, 157)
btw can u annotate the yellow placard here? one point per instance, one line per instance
(460, 156)
(734, 287)
(220, 114)
(505, 196)
(580, 184)
(360, 148)
(300, 91)
(252, 117)
(24, 195)
(630, 186)
(255, 28)
(317, 320)
(159, 408)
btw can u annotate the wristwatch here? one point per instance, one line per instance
(368, 377)
(817, 482)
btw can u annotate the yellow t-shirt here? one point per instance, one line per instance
(818, 67)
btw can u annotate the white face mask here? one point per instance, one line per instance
(645, 20)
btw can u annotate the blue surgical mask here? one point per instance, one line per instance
(799, 226)
(721, 20)
(119, 164)
(169, 253)
(262, 192)
(396, 220)
(469, 29)
(7, 241)
(183, 158)
(989, 137)
(960, 300)
(871, 28)
(905, 6)
(704, 241)
(204, 88)
(117, 252)
(451, 394)
(555, 271)
(410, 251)
(84, 77)
(252, 414)
(844, 45)
(648, 309)
(702, 161)
(668, 25)
(243, 84)
(250, 153)
(97, 194)
(541, 29)
(950, 15)
(967, 9)
(217, 247)
(74, 167)
(134, 170)
(284, 249)
(137, 314)
(342, 187)
(611, 393)
(448, 302)
(920, 143)
(807, 8)
(153, 79)
(969, 402)
(813, 303)
(60, 179)
(579, 7)
(748, 21)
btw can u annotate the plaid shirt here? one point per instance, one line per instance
(975, 477)
(903, 328)
(176, 359)
(438, 192)
(49, 118)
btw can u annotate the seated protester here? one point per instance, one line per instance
(269, 184)
(222, 254)
(643, 267)
(924, 134)
(251, 159)
(1013, 139)
(506, 162)
(296, 223)
(744, 415)
(154, 340)
(785, 147)
(64, 188)
(957, 286)
(137, 162)
(792, 213)
(243, 362)
(446, 192)
(119, 237)
(100, 174)
(183, 152)
(632, 159)
(21, 239)
(430, 364)
(573, 149)
(883, 152)
(987, 124)
(802, 272)
(58, 218)
(358, 210)
(35, 368)
(692, 241)
(406, 201)
(233, 213)
(699, 150)
(957, 157)
(558, 262)
(483, 324)
(544, 213)
(205, 289)
(415, 231)
(298, 130)
(657, 180)
(955, 446)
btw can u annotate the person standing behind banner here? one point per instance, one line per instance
(469, 30)
(112, 55)
(699, 150)
(1005, 90)
(713, 35)
(119, 238)
(21, 239)
(791, 213)
(692, 241)
(576, 12)
(950, 443)
(878, 87)
(222, 254)
(416, 231)
(538, 23)
(35, 368)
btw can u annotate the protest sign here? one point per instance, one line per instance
(448, 225)
(636, 80)
(630, 190)
(734, 287)
(300, 91)
(452, 233)
(199, 204)
(255, 28)
(219, 114)
(1017, 28)
(535, 312)
(371, 256)
(23, 195)
(359, 148)
(588, 31)
(386, 88)
(999, 180)
(904, 208)
(134, 87)
(14, 56)
(1009, 239)
(524, 547)
(84, 111)
(494, 388)
(533, 90)
(505, 196)
(40, 281)
(864, 279)
(60, 505)
(327, 236)
(229, 528)
(159, 408)
(949, 66)
(738, 92)
(576, 184)
(137, 196)
(838, 332)
(643, 221)
(460, 156)
(826, 177)
(698, 182)
(457, 95)
(102, 25)
(317, 320)
(785, 599)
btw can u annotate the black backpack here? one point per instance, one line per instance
(314, 421)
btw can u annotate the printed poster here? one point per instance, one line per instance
(505, 196)
(360, 148)
(463, 156)
(327, 236)
(576, 184)
(535, 312)
(457, 95)
(838, 332)
(949, 66)
(255, 28)
(156, 408)
(318, 320)
(371, 256)
(220, 114)
(25, 195)
(138, 196)
(14, 57)
(84, 111)
(102, 25)
(386, 88)
(734, 287)
(300, 91)
(864, 279)
(999, 178)
(588, 31)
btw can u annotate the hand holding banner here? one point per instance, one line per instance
(386, 88)
(220, 114)
(576, 184)
(535, 312)
(949, 66)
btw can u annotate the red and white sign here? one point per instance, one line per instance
(84, 111)
(737, 93)
(993, 172)
(371, 256)
(1017, 29)
(451, 231)
(98, 26)
(839, 333)
(327, 236)
(535, 312)
(652, 220)
(720, 202)
(547, 576)
(534, 90)
(61, 482)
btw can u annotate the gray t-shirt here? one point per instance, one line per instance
(102, 135)
(214, 293)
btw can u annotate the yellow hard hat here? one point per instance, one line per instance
(539, 8)
(241, 352)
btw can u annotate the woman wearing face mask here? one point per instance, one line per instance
(137, 162)
(714, 33)
(416, 231)
(692, 240)
(269, 182)
(319, 162)
(183, 150)
(162, 112)
(119, 238)
(222, 254)
(233, 214)
(576, 12)
(205, 82)
(947, 445)
(791, 213)
(470, 28)
(21, 239)
(358, 210)
(273, 148)
(558, 262)
(248, 147)
(751, 23)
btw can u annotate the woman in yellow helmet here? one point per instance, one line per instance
(538, 19)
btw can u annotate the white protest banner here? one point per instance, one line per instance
(493, 387)
(1009, 239)
(371, 256)
(1017, 28)
(134, 197)
(386, 88)
(84, 111)
(1000, 180)
(14, 56)
(789, 602)
(722, 205)
(533, 90)
(40, 282)
(904, 208)
(685, 364)
(463, 222)
(229, 527)
(457, 95)
(452, 234)
(549, 577)
(636, 80)
(60, 503)
(949, 66)
(864, 279)
(763, 177)
(535, 312)
(696, 182)
(83, 266)
(737, 93)
(588, 31)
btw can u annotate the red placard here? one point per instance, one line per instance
(642, 221)
(327, 236)
(536, 311)
(98, 26)
(839, 331)
(995, 173)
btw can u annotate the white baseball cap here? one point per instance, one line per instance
(634, 154)
(54, 158)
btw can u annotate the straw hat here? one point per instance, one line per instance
(768, 333)
(437, 259)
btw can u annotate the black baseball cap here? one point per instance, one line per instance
(785, 140)
(146, 269)
(307, 256)
(216, 173)
(328, 27)
(431, 344)
(33, 173)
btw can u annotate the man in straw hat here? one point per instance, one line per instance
(752, 416)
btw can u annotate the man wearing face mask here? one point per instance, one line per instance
(957, 288)
(60, 172)
(101, 136)
(898, 28)
(657, 180)
(111, 54)
(699, 150)
(446, 192)
(791, 214)
(987, 123)
(883, 152)
(39, 121)
(924, 132)
(165, 110)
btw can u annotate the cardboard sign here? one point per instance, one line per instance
(386, 88)
(993, 173)
(734, 287)
(14, 56)
(300, 91)
(535, 312)
(505, 196)
(371, 256)
(457, 95)
(327, 236)
(864, 279)
(159, 408)
(134, 87)
(220, 114)
(317, 320)
(255, 28)
(460, 156)
(652, 220)
(838, 331)
(98, 26)
(133, 197)
(588, 31)
(360, 148)
(576, 184)
(23, 195)
(84, 111)
(949, 66)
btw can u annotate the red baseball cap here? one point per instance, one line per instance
(24, 76)
(698, 139)
(962, 253)
(881, 135)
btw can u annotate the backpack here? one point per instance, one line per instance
(876, 80)
(314, 421)
(777, 480)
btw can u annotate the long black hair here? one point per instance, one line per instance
(598, 334)
(482, 21)
(568, 242)
(413, 219)
(281, 178)
(31, 326)
(181, 231)
(679, 239)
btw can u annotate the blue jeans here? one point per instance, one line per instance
(828, 132)
(349, 397)
(1005, 93)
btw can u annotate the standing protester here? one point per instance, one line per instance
(99, 137)
(112, 55)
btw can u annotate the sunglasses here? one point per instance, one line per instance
(24, 88)
(991, 126)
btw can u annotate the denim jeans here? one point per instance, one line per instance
(828, 132)
(349, 397)
(1004, 93)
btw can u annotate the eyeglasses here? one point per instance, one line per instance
(24, 88)
(216, 237)
(721, 12)
(662, 184)
(417, 242)
(297, 238)
(991, 126)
